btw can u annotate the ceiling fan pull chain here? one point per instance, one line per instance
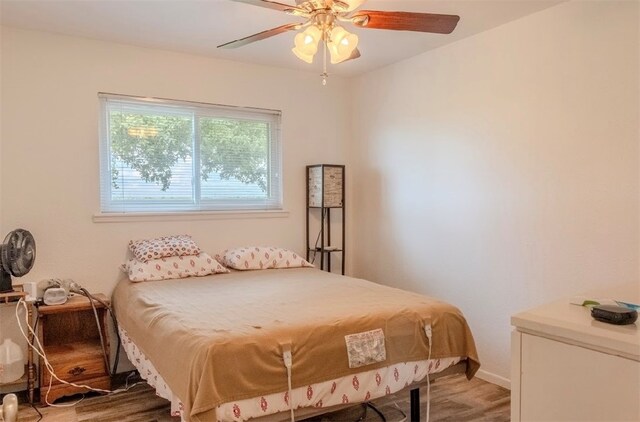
(324, 75)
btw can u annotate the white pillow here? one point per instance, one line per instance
(172, 267)
(261, 258)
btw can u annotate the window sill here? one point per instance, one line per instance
(187, 216)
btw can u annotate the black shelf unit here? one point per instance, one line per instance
(325, 194)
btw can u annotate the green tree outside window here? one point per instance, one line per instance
(153, 144)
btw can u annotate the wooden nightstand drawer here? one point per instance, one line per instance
(75, 362)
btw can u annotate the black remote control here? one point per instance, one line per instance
(614, 314)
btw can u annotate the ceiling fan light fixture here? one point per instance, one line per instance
(306, 43)
(304, 57)
(342, 44)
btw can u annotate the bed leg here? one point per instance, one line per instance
(415, 405)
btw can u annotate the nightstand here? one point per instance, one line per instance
(71, 342)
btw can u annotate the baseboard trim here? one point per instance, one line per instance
(494, 379)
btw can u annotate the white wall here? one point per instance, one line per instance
(501, 171)
(49, 168)
(497, 173)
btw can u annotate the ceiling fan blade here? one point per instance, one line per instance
(294, 10)
(406, 21)
(260, 36)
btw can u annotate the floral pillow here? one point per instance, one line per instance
(261, 258)
(161, 247)
(172, 267)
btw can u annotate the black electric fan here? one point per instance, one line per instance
(17, 255)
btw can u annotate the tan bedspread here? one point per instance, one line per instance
(219, 338)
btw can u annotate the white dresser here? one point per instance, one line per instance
(565, 366)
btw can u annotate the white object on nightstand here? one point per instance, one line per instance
(567, 366)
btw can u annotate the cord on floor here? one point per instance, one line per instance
(37, 411)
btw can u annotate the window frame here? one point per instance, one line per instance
(197, 205)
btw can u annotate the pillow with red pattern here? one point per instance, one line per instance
(162, 247)
(261, 258)
(172, 267)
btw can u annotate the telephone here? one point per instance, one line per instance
(55, 296)
(55, 291)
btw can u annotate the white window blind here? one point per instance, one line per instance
(173, 156)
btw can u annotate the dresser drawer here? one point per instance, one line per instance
(562, 382)
(74, 362)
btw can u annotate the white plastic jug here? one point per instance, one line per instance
(11, 362)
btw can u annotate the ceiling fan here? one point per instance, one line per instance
(322, 24)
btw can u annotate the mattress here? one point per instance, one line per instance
(220, 339)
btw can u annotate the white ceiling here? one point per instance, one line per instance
(199, 26)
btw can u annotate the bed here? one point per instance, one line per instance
(215, 345)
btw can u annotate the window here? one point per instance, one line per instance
(173, 156)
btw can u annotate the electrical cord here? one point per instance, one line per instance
(115, 326)
(375, 409)
(37, 347)
(35, 327)
(92, 298)
(404, 415)
(33, 405)
(364, 413)
(95, 313)
(287, 356)
(35, 324)
(428, 332)
(76, 288)
(37, 411)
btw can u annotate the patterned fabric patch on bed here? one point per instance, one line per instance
(365, 348)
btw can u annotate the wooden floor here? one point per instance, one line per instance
(453, 399)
